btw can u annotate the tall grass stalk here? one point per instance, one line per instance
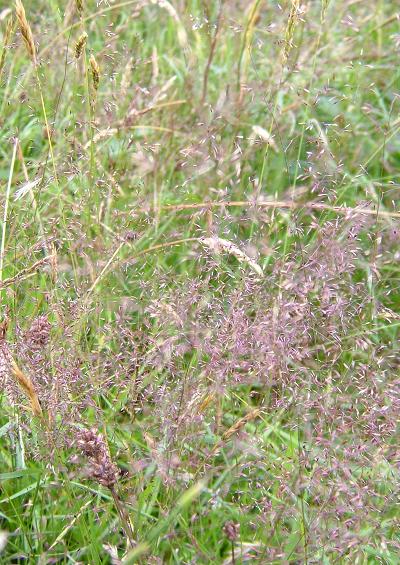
(5, 213)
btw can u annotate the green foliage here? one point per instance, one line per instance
(323, 89)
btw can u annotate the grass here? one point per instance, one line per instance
(199, 263)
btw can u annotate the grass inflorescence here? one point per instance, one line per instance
(200, 308)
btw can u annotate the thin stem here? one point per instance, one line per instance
(212, 52)
(33, 197)
(246, 43)
(6, 203)
(139, 254)
(46, 122)
(106, 266)
(127, 526)
(91, 108)
(301, 494)
(286, 204)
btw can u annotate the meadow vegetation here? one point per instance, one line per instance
(199, 281)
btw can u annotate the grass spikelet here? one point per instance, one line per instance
(206, 401)
(27, 386)
(236, 427)
(80, 45)
(79, 6)
(6, 43)
(325, 4)
(126, 77)
(217, 243)
(291, 24)
(244, 55)
(27, 35)
(95, 70)
(25, 29)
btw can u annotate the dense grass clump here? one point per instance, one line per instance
(199, 357)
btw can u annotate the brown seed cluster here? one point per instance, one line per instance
(38, 334)
(28, 387)
(231, 530)
(101, 469)
(238, 425)
(80, 44)
(95, 69)
(25, 29)
(79, 6)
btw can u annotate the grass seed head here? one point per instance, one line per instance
(6, 42)
(231, 530)
(79, 6)
(94, 447)
(293, 18)
(28, 387)
(38, 335)
(25, 29)
(218, 243)
(239, 424)
(95, 69)
(80, 45)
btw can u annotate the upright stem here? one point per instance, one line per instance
(46, 122)
(7, 200)
(124, 518)
(212, 52)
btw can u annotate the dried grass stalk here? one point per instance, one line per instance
(236, 427)
(347, 211)
(27, 386)
(217, 243)
(25, 29)
(206, 401)
(26, 273)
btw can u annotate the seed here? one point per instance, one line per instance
(95, 71)
(80, 44)
(79, 6)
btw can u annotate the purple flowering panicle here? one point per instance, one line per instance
(101, 468)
